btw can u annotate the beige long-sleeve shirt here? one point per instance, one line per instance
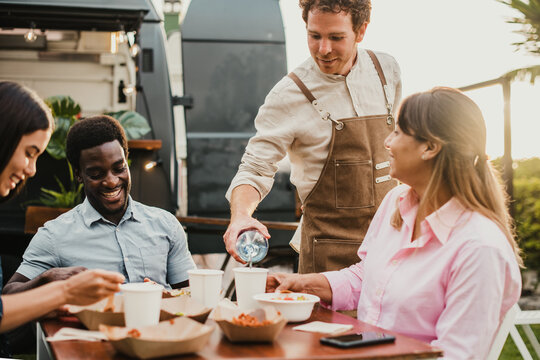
(287, 123)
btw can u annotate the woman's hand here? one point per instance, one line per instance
(315, 284)
(91, 286)
(282, 281)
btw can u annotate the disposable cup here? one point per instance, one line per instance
(205, 286)
(249, 282)
(142, 303)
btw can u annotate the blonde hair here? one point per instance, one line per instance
(448, 117)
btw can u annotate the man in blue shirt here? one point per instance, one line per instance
(109, 230)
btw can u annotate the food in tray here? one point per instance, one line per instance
(257, 325)
(134, 333)
(248, 320)
(169, 293)
(168, 338)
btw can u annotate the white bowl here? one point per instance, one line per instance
(293, 310)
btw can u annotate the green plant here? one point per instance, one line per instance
(527, 210)
(134, 124)
(65, 198)
(66, 112)
(526, 203)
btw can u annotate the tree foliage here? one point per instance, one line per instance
(527, 209)
(529, 21)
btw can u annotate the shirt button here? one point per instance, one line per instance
(378, 292)
(126, 259)
(394, 262)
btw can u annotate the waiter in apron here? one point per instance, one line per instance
(330, 116)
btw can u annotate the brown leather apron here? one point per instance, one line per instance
(352, 184)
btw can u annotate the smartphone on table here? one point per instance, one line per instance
(358, 339)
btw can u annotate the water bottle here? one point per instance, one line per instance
(251, 246)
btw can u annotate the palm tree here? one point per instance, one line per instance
(530, 21)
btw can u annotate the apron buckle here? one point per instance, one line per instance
(339, 124)
(390, 119)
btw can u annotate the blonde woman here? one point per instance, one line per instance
(439, 262)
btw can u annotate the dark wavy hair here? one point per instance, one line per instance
(22, 112)
(90, 132)
(360, 10)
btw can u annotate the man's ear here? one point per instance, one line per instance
(431, 150)
(77, 175)
(361, 32)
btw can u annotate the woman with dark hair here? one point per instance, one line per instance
(26, 124)
(439, 262)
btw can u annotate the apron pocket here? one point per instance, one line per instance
(335, 254)
(354, 184)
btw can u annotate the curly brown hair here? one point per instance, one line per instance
(359, 9)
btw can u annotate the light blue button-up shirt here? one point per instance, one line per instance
(148, 242)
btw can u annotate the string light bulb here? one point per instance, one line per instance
(129, 90)
(30, 36)
(151, 164)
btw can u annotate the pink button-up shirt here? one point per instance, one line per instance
(451, 286)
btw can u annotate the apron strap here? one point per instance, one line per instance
(325, 115)
(377, 67)
(380, 72)
(302, 86)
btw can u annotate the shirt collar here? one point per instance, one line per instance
(441, 222)
(91, 215)
(445, 219)
(408, 206)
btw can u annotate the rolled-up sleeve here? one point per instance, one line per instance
(275, 133)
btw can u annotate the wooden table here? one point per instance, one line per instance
(290, 344)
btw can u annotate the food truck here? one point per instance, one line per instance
(199, 90)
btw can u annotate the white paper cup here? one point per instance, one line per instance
(205, 286)
(142, 303)
(249, 282)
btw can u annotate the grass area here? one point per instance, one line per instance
(510, 351)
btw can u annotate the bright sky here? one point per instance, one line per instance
(452, 43)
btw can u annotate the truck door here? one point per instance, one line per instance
(233, 54)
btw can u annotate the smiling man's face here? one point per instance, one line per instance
(332, 40)
(105, 174)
